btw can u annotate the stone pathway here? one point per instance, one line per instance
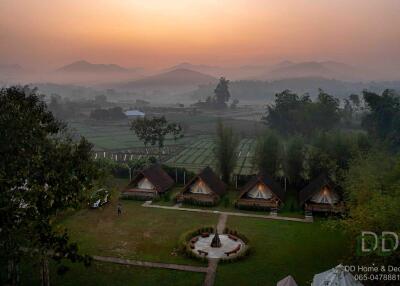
(213, 262)
(222, 222)
(152, 264)
(149, 205)
(211, 272)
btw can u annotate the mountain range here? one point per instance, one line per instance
(327, 69)
(179, 77)
(87, 67)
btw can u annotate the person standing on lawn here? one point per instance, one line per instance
(119, 209)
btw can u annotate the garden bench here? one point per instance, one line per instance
(194, 239)
(202, 252)
(232, 237)
(237, 248)
(205, 234)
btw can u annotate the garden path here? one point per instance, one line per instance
(151, 264)
(148, 204)
(213, 262)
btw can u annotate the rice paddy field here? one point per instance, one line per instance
(200, 154)
(112, 135)
(116, 141)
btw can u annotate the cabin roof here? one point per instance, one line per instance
(208, 176)
(314, 187)
(157, 176)
(266, 179)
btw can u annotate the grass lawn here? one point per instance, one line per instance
(141, 233)
(113, 274)
(279, 249)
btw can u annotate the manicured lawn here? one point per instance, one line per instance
(140, 233)
(279, 249)
(113, 274)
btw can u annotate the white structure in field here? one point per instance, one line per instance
(287, 281)
(337, 276)
(134, 113)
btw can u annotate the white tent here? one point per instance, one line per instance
(337, 276)
(145, 184)
(260, 191)
(287, 281)
(325, 196)
(200, 188)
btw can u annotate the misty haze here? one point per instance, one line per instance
(189, 142)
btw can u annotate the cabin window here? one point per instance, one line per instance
(325, 196)
(199, 187)
(145, 184)
(260, 191)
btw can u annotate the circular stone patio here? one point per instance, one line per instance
(227, 244)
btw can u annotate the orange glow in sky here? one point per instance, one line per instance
(154, 33)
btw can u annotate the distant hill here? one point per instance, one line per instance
(326, 69)
(174, 78)
(257, 90)
(86, 67)
(10, 69)
(189, 66)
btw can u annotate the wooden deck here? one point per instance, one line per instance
(142, 193)
(313, 207)
(248, 202)
(212, 198)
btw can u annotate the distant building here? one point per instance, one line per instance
(134, 113)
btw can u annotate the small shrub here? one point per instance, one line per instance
(226, 202)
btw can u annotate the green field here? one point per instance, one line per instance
(200, 154)
(282, 248)
(140, 233)
(112, 135)
(112, 274)
(279, 248)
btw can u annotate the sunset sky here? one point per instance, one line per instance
(153, 33)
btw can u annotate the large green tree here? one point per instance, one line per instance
(383, 119)
(293, 114)
(372, 191)
(226, 145)
(294, 163)
(269, 153)
(221, 93)
(42, 173)
(154, 130)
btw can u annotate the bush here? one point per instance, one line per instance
(252, 207)
(242, 254)
(137, 198)
(226, 202)
(166, 197)
(191, 201)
